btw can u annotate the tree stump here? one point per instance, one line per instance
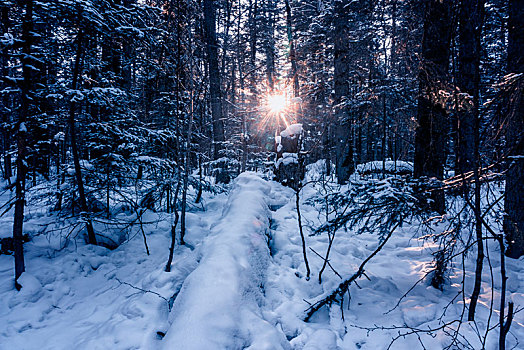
(289, 169)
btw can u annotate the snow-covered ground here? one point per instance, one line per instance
(377, 302)
(89, 297)
(242, 286)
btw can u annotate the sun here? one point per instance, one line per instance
(276, 103)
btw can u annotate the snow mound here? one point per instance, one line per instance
(322, 339)
(219, 305)
(292, 130)
(287, 159)
(31, 288)
(391, 167)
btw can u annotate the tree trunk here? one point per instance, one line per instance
(514, 201)
(430, 135)
(253, 29)
(384, 134)
(471, 17)
(21, 139)
(214, 76)
(292, 55)
(270, 45)
(174, 223)
(74, 147)
(344, 144)
(245, 134)
(4, 111)
(187, 155)
(240, 61)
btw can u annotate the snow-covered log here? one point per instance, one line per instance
(218, 306)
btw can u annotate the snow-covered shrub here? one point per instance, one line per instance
(376, 206)
(224, 169)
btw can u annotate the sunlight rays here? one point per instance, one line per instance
(276, 103)
(275, 113)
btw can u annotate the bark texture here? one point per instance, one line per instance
(214, 76)
(343, 132)
(91, 238)
(514, 201)
(431, 131)
(471, 17)
(21, 143)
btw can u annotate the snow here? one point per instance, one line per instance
(88, 297)
(397, 166)
(219, 305)
(286, 159)
(292, 130)
(322, 339)
(242, 286)
(59, 136)
(403, 261)
(7, 39)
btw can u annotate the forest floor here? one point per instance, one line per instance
(240, 283)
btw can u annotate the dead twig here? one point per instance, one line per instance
(344, 286)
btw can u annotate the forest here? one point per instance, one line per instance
(261, 174)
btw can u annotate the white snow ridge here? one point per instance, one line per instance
(219, 305)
